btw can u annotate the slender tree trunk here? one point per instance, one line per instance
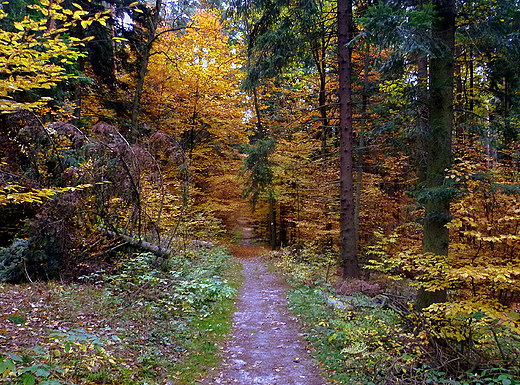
(283, 229)
(273, 241)
(471, 83)
(256, 104)
(422, 116)
(322, 101)
(438, 140)
(112, 35)
(348, 238)
(155, 17)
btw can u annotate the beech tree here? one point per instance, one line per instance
(29, 49)
(192, 97)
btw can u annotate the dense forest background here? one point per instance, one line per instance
(157, 125)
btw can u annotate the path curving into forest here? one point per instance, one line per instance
(266, 345)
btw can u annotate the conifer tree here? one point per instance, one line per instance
(348, 236)
(438, 150)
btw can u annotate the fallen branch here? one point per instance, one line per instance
(157, 250)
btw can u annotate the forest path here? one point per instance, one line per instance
(265, 346)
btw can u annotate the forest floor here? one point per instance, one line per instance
(79, 332)
(266, 343)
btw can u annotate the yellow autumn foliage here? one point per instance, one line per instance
(35, 55)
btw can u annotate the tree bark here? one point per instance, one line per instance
(422, 116)
(155, 18)
(348, 238)
(438, 140)
(361, 143)
(273, 238)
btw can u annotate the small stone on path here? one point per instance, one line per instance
(265, 336)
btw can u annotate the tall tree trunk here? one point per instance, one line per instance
(348, 238)
(283, 229)
(155, 18)
(361, 144)
(422, 116)
(273, 240)
(438, 140)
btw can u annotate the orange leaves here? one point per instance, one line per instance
(192, 96)
(193, 81)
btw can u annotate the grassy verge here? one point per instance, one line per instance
(206, 334)
(356, 343)
(142, 324)
(379, 339)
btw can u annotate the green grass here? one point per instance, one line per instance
(144, 325)
(205, 335)
(358, 345)
(367, 344)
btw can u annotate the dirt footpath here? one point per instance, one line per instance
(266, 345)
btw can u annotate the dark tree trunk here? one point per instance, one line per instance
(348, 238)
(155, 18)
(283, 239)
(273, 239)
(438, 140)
(422, 116)
(361, 143)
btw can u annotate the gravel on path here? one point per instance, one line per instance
(266, 345)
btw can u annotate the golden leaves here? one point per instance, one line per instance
(28, 54)
(194, 82)
(15, 194)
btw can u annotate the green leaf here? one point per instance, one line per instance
(17, 319)
(7, 365)
(505, 379)
(42, 372)
(38, 350)
(514, 315)
(28, 379)
(15, 357)
(478, 315)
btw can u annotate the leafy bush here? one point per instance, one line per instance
(27, 260)
(29, 369)
(12, 261)
(147, 322)
(360, 343)
(83, 351)
(474, 329)
(186, 284)
(471, 333)
(383, 340)
(304, 264)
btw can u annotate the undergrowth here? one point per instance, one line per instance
(377, 338)
(145, 323)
